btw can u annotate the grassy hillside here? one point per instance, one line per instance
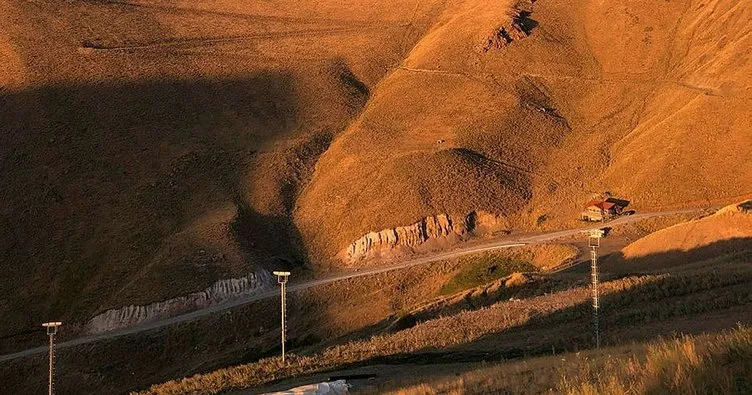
(318, 318)
(717, 364)
(556, 315)
(152, 147)
(727, 231)
(642, 99)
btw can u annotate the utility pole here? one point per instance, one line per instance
(282, 280)
(594, 241)
(51, 332)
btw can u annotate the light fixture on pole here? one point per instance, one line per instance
(51, 332)
(594, 241)
(282, 280)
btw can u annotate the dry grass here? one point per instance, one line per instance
(545, 122)
(317, 319)
(731, 222)
(718, 364)
(548, 256)
(150, 148)
(348, 307)
(632, 302)
(708, 364)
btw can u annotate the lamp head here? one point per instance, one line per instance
(282, 276)
(52, 327)
(594, 237)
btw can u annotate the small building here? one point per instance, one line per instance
(602, 210)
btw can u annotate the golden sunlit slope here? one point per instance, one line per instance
(527, 108)
(728, 231)
(438, 136)
(695, 128)
(150, 148)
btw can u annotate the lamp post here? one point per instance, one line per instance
(282, 280)
(51, 332)
(594, 241)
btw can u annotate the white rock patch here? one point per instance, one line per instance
(220, 291)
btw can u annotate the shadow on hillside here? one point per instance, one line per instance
(525, 22)
(617, 263)
(651, 304)
(716, 364)
(97, 176)
(613, 267)
(689, 302)
(271, 238)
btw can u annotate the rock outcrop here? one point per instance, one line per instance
(520, 27)
(430, 228)
(220, 291)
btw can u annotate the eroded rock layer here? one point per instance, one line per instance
(220, 291)
(439, 226)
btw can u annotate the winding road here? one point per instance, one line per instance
(506, 242)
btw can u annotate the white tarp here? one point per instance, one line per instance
(338, 387)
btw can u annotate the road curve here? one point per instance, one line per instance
(507, 242)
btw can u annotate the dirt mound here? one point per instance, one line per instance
(516, 280)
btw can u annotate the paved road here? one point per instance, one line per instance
(506, 242)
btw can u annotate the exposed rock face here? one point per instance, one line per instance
(520, 27)
(433, 227)
(220, 291)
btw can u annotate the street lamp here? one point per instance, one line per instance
(51, 332)
(282, 280)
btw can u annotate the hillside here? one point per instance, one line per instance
(689, 278)
(728, 231)
(150, 148)
(548, 315)
(690, 364)
(530, 126)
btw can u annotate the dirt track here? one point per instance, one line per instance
(507, 242)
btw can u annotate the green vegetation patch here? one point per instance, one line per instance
(483, 269)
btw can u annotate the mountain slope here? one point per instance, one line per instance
(647, 100)
(152, 147)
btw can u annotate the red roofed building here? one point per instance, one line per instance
(601, 210)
